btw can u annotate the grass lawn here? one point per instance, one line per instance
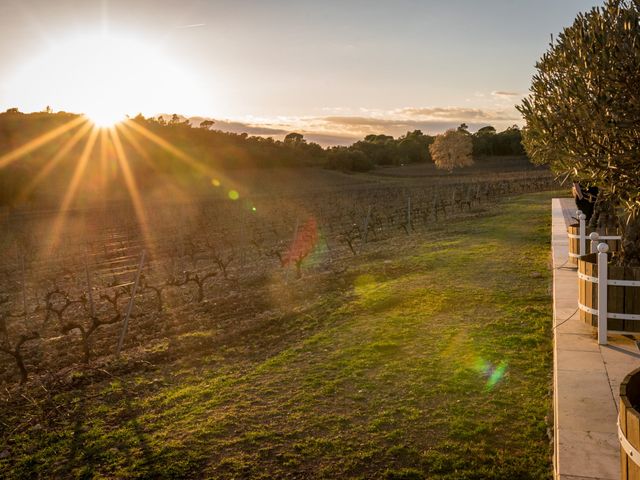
(430, 357)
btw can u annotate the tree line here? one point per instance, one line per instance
(213, 148)
(294, 150)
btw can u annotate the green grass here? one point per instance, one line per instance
(435, 361)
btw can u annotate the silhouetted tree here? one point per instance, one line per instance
(294, 138)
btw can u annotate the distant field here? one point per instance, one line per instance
(482, 166)
(297, 181)
(424, 356)
(283, 181)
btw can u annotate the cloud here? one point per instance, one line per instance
(326, 139)
(311, 128)
(343, 129)
(362, 126)
(501, 93)
(240, 127)
(430, 120)
(193, 25)
(363, 121)
(459, 113)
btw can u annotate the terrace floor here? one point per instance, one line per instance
(587, 376)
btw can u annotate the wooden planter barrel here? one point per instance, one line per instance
(621, 299)
(574, 242)
(629, 426)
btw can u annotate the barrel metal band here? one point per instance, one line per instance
(584, 308)
(624, 283)
(629, 449)
(613, 283)
(588, 278)
(613, 316)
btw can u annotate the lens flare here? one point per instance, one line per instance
(496, 375)
(493, 373)
(303, 243)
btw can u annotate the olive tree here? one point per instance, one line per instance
(583, 110)
(452, 149)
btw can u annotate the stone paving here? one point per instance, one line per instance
(586, 375)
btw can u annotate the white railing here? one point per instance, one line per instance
(582, 235)
(603, 282)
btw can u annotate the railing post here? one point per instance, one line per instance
(594, 236)
(603, 260)
(583, 234)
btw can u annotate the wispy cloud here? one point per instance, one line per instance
(345, 125)
(459, 113)
(504, 94)
(327, 139)
(361, 126)
(364, 121)
(193, 25)
(241, 127)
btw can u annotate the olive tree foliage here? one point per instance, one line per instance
(583, 110)
(452, 149)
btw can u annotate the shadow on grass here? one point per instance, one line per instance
(89, 455)
(76, 444)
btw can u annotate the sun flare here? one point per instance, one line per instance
(107, 76)
(104, 117)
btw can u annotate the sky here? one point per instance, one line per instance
(332, 70)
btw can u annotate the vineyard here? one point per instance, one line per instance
(110, 283)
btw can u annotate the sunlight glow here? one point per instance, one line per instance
(69, 196)
(200, 167)
(132, 188)
(84, 185)
(54, 161)
(103, 117)
(105, 76)
(38, 142)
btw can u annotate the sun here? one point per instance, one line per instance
(103, 117)
(107, 76)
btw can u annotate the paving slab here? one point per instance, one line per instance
(571, 338)
(581, 361)
(585, 409)
(587, 376)
(589, 454)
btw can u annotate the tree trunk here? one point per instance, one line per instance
(604, 215)
(630, 256)
(21, 367)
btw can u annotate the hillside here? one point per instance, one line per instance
(405, 361)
